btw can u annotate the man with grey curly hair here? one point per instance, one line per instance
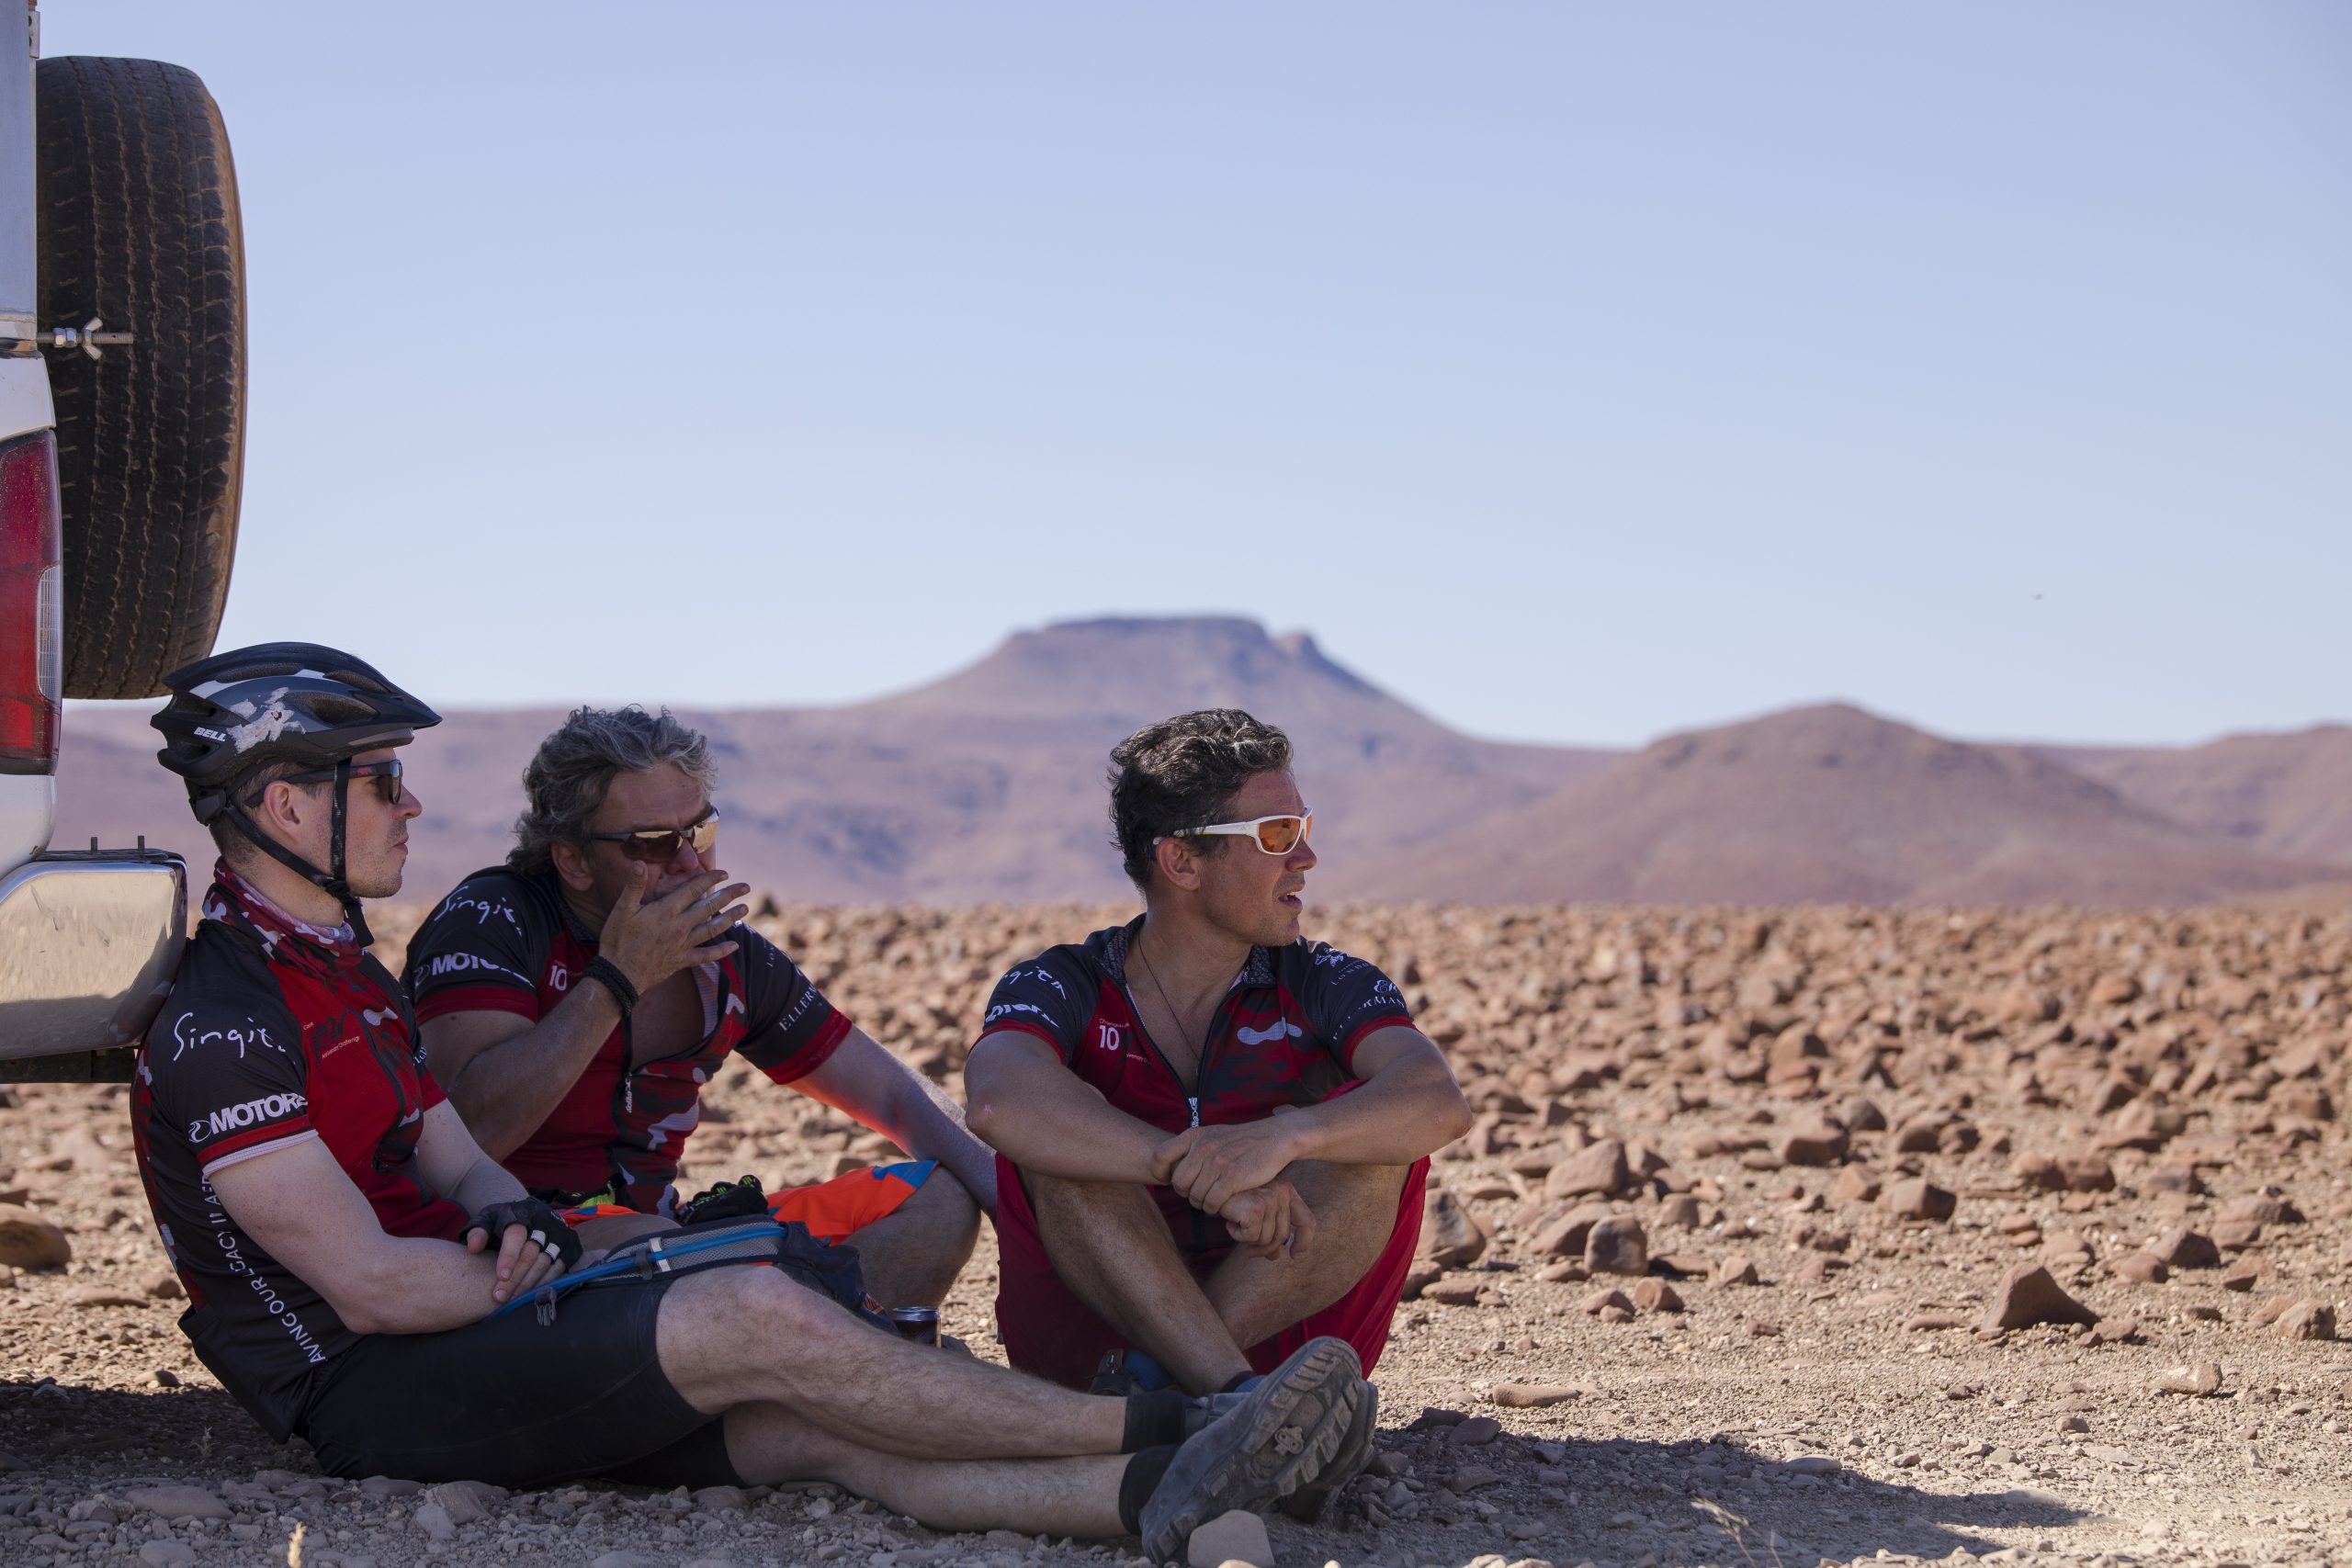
(1213, 1134)
(575, 1000)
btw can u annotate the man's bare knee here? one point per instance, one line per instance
(1344, 1185)
(728, 1335)
(945, 1204)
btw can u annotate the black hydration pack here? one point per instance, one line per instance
(829, 1270)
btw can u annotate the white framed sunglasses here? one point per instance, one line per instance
(1273, 835)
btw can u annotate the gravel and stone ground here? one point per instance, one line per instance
(1716, 1277)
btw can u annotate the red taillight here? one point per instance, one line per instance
(32, 588)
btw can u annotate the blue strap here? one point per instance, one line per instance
(633, 1259)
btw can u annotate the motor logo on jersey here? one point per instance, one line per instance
(246, 1113)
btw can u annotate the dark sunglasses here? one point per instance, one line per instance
(659, 844)
(387, 775)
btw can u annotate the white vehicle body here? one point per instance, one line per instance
(88, 938)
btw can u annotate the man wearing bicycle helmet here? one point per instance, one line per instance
(346, 1247)
(1211, 1134)
(576, 1000)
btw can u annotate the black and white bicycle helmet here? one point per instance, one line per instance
(282, 702)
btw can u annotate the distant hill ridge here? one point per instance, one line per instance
(986, 785)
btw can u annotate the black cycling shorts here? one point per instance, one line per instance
(519, 1404)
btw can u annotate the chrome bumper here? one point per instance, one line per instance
(89, 943)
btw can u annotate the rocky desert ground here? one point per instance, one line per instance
(1781, 1237)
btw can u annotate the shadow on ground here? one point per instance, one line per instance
(1681, 1504)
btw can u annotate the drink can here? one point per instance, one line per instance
(920, 1324)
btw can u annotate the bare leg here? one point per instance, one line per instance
(1355, 1212)
(767, 1443)
(733, 1336)
(1111, 1247)
(911, 1256)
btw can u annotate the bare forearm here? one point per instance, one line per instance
(417, 1285)
(929, 1125)
(1048, 1121)
(510, 1088)
(1393, 1118)
(485, 1183)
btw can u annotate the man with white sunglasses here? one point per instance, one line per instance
(1211, 1134)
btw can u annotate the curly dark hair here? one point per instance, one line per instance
(1184, 773)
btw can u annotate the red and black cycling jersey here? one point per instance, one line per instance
(1284, 1034)
(276, 1032)
(505, 942)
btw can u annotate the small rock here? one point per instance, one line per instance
(2069, 1249)
(2142, 1268)
(390, 1486)
(2072, 1424)
(1933, 1322)
(2236, 1236)
(1567, 1269)
(2087, 1173)
(1814, 1143)
(1656, 1295)
(1617, 1246)
(1601, 1301)
(2186, 1248)
(628, 1560)
(2200, 1377)
(1736, 1268)
(1917, 1197)
(1679, 1212)
(1762, 1329)
(1599, 1171)
(1564, 1237)
(720, 1499)
(1855, 1184)
(2241, 1275)
(2268, 1207)
(2029, 1295)
(165, 1378)
(2037, 1173)
(166, 1554)
(28, 1241)
(1452, 1236)
(2306, 1320)
(435, 1521)
(457, 1500)
(1462, 1290)
(1810, 1464)
(177, 1501)
(1533, 1395)
(1470, 1477)
(2115, 1331)
(164, 1285)
(1474, 1431)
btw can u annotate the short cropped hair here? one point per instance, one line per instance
(235, 846)
(568, 779)
(1184, 773)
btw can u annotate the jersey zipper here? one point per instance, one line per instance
(1192, 1091)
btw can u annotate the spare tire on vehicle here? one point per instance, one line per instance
(140, 228)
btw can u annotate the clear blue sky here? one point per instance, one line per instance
(1578, 373)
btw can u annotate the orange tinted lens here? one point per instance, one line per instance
(704, 834)
(1282, 834)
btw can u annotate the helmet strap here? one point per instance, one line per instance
(336, 886)
(330, 882)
